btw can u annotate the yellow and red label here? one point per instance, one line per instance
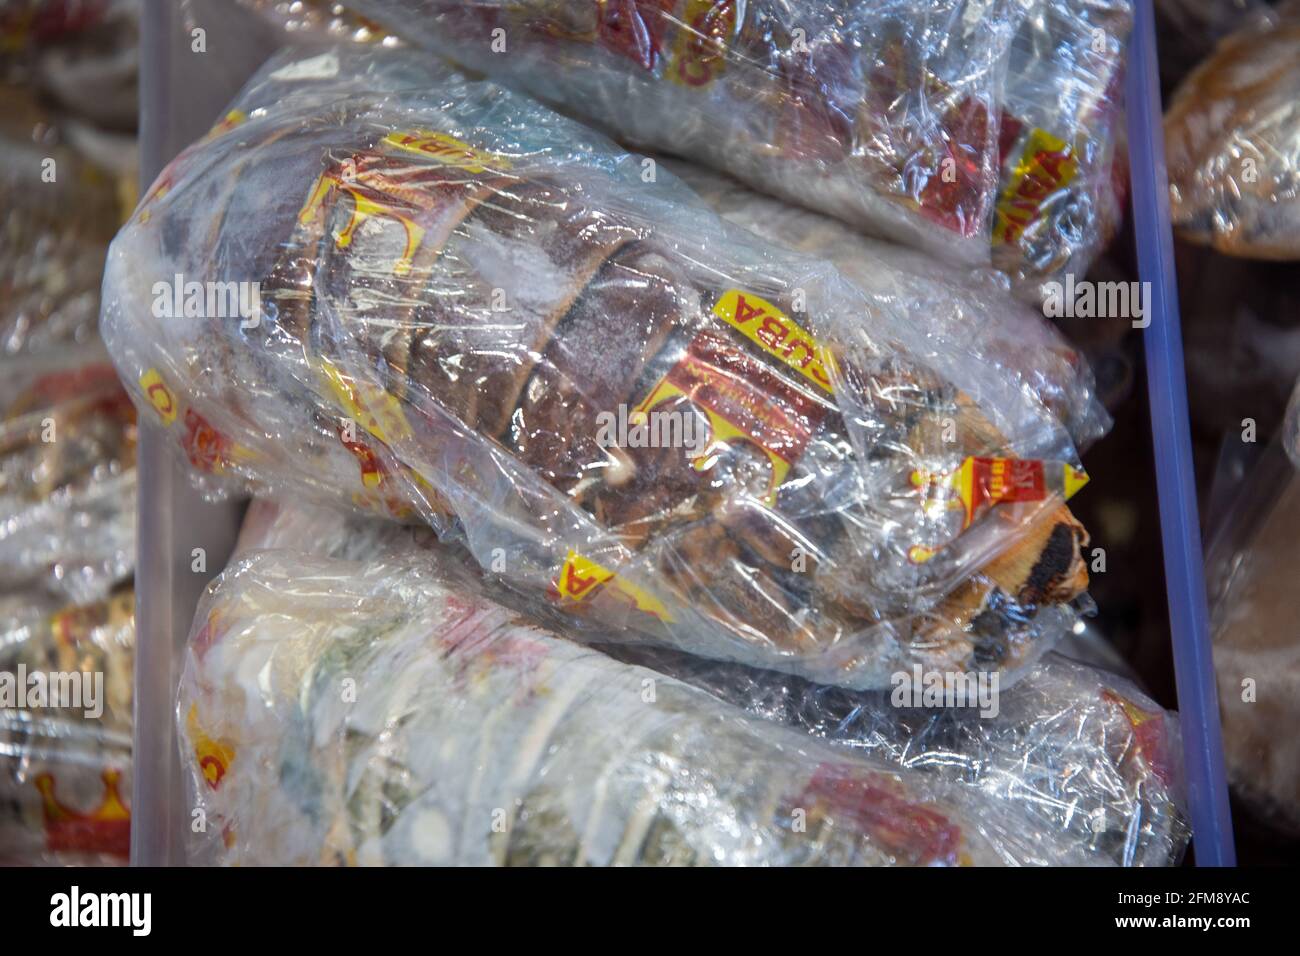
(1046, 165)
(778, 335)
(746, 399)
(379, 413)
(372, 408)
(447, 150)
(384, 186)
(212, 756)
(981, 483)
(581, 579)
(160, 396)
(369, 199)
(105, 829)
(208, 448)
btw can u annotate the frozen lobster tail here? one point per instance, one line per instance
(474, 312)
(981, 132)
(399, 719)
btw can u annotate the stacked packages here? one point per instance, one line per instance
(630, 433)
(67, 438)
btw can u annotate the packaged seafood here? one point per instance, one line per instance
(388, 709)
(478, 314)
(1087, 765)
(65, 763)
(1001, 334)
(67, 475)
(980, 131)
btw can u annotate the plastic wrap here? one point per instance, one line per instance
(857, 110)
(60, 212)
(65, 774)
(67, 534)
(1063, 176)
(1233, 143)
(67, 475)
(1250, 571)
(997, 331)
(468, 305)
(475, 739)
(980, 131)
(389, 710)
(1092, 762)
(317, 21)
(1087, 764)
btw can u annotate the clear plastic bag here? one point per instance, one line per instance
(474, 312)
(473, 738)
(316, 21)
(54, 234)
(1002, 336)
(65, 774)
(1063, 175)
(1076, 765)
(1250, 572)
(978, 130)
(67, 475)
(390, 710)
(1086, 756)
(1233, 141)
(884, 113)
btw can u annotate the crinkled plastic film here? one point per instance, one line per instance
(979, 130)
(516, 746)
(1089, 759)
(1251, 575)
(67, 475)
(468, 304)
(1007, 339)
(882, 112)
(67, 440)
(317, 21)
(65, 773)
(1233, 134)
(55, 232)
(477, 769)
(1063, 176)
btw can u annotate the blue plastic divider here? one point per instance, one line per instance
(1180, 530)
